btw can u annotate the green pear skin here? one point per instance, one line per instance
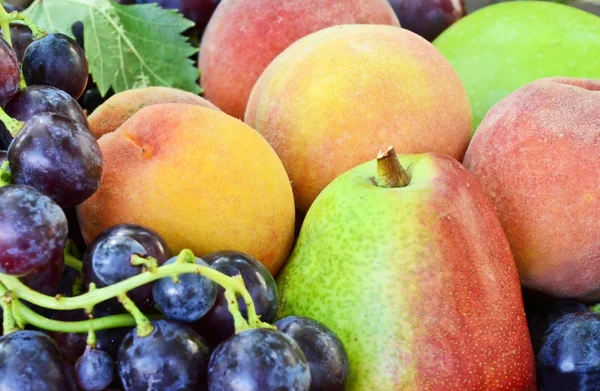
(417, 281)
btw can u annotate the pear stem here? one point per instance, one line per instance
(390, 171)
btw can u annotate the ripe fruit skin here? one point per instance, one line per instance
(569, 359)
(56, 60)
(418, 282)
(30, 360)
(172, 357)
(260, 360)
(217, 325)
(254, 32)
(33, 230)
(334, 98)
(9, 72)
(535, 155)
(325, 353)
(34, 100)
(504, 46)
(107, 260)
(121, 106)
(202, 179)
(187, 299)
(57, 156)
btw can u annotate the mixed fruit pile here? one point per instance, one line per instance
(366, 195)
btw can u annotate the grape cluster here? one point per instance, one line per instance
(180, 350)
(48, 156)
(49, 146)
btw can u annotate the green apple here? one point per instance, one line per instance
(412, 270)
(502, 47)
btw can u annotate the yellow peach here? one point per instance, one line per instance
(201, 178)
(120, 107)
(334, 98)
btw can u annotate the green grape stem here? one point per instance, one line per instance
(14, 126)
(26, 316)
(233, 285)
(6, 18)
(91, 338)
(5, 176)
(144, 327)
(37, 32)
(5, 24)
(9, 325)
(73, 262)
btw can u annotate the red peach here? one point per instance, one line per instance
(244, 36)
(537, 153)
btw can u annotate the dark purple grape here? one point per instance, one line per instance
(186, 300)
(77, 30)
(94, 370)
(75, 229)
(59, 157)
(69, 371)
(569, 358)
(72, 345)
(21, 37)
(217, 324)
(30, 361)
(33, 230)
(428, 18)
(261, 360)
(172, 357)
(68, 279)
(47, 278)
(541, 321)
(10, 73)
(324, 351)
(56, 60)
(108, 258)
(92, 99)
(3, 157)
(37, 100)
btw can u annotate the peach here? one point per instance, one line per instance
(244, 36)
(120, 107)
(537, 153)
(334, 98)
(199, 177)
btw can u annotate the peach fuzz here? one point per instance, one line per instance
(536, 153)
(120, 107)
(244, 36)
(333, 99)
(199, 177)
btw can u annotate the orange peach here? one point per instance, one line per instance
(244, 36)
(334, 98)
(120, 107)
(199, 177)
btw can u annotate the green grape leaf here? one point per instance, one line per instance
(127, 46)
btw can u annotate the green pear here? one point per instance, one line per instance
(412, 270)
